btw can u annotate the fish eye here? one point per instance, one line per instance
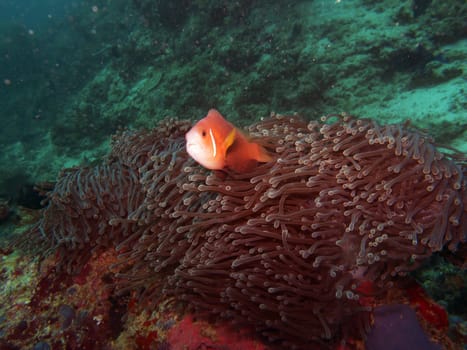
(203, 133)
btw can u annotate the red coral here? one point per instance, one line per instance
(189, 334)
(427, 308)
(147, 341)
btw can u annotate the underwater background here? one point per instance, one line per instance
(73, 73)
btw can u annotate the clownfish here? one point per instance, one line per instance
(216, 144)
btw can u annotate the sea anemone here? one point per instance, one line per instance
(282, 249)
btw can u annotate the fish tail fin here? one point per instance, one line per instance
(262, 155)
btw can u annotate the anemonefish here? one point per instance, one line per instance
(217, 145)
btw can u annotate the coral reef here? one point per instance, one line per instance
(70, 82)
(286, 249)
(143, 223)
(5, 210)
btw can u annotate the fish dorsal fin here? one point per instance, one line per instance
(229, 140)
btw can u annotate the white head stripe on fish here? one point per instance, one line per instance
(213, 142)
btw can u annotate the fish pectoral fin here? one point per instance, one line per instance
(229, 140)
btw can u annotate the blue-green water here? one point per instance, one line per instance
(73, 72)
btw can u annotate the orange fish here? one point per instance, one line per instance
(216, 144)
